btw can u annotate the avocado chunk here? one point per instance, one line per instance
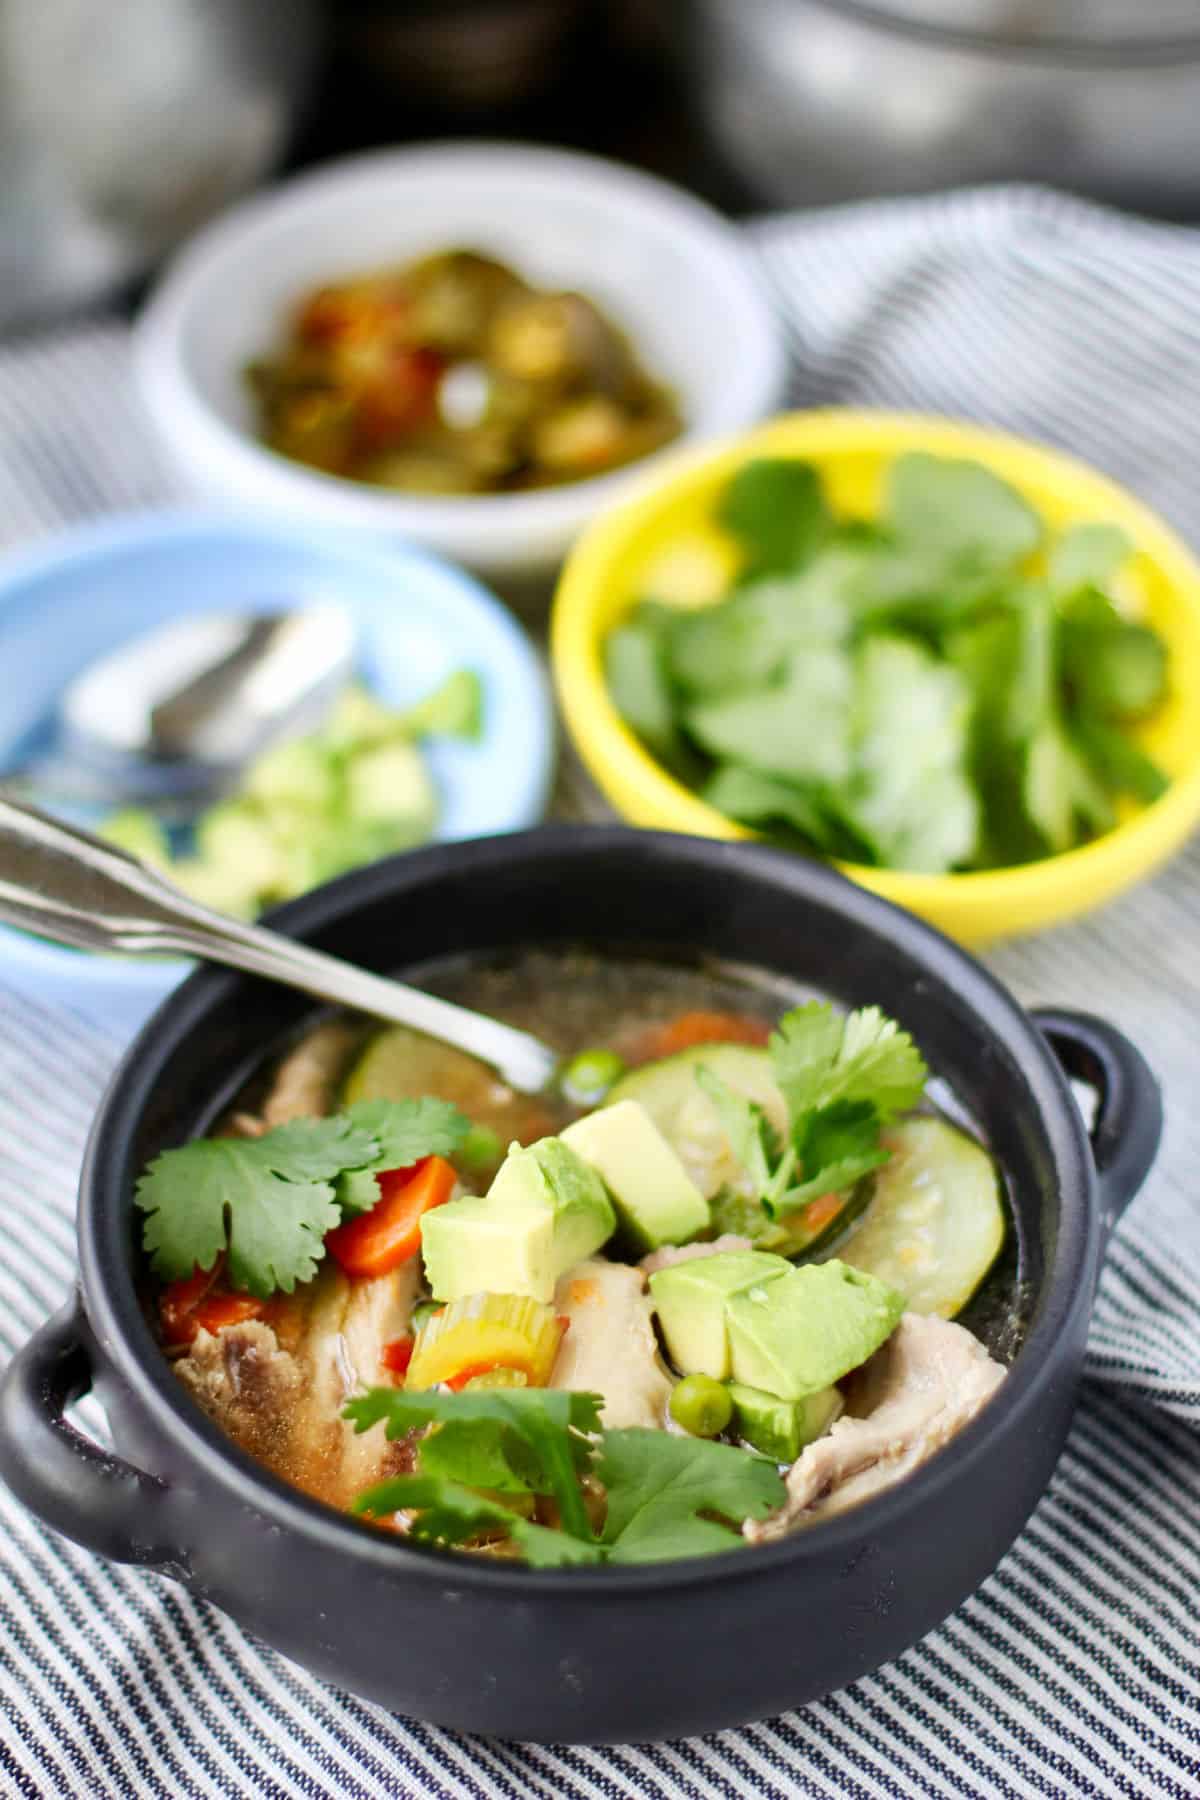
(545, 1212)
(691, 1299)
(240, 839)
(656, 1200)
(140, 834)
(298, 772)
(805, 1330)
(391, 782)
(781, 1428)
(471, 1246)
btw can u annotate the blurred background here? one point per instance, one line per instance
(122, 128)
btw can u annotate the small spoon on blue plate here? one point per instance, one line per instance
(169, 720)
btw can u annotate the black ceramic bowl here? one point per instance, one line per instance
(592, 1654)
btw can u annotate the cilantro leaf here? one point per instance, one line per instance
(481, 1453)
(402, 1132)
(315, 1149)
(407, 1130)
(776, 507)
(909, 794)
(752, 1138)
(960, 510)
(268, 1202)
(276, 1233)
(552, 1427)
(182, 1237)
(662, 1490)
(1119, 763)
(447, 1513)
(1059, 790)
(839, 1144)
(799, 728)
(755, 798)
(636, 674)
(1113, 668)
(746, 640)
(843, 1078)
(1087, 556)
(666, 1496)
(819, 1056)
(234, 1195)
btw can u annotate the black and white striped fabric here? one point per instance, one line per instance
(1075, 1670)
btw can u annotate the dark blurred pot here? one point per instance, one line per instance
(631, 1653)
(827, 100)
(123, 127)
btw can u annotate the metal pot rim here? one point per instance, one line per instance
(1139, 47)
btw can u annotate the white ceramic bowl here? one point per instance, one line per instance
(669, 270)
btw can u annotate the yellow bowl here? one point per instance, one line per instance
(663, 542)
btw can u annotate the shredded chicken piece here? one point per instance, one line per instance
(927, 1382)
(610, 1347)
(305, 1082)
(248, 1385)
(279, 1389)
(677, 1253)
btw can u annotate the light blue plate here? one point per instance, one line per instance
(418, 618)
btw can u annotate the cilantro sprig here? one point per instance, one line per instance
(843, 1077)
(665, 1496)
(266, 1203)
(947, 685)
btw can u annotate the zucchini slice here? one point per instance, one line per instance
(936, 1222)
(687, 1118)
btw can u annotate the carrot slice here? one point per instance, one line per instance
(693, 1028)
(822, 1211)
(472, 1371)
(219, 1310)
(380, 1240)
(396, 1356)
(190, 1306)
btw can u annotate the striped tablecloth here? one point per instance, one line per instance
(1074, 1669)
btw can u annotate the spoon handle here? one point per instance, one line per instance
(74, 888)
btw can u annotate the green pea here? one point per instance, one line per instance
(588, 1076)
(701, 1405)
(481, 1147)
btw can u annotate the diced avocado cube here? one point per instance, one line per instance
(391, 783)
(656, 1200)
(781, 1428)
(691, 1299)
(240, 840)
(472, 1246)
(140, 834)
(455, 709)
(298, 773)
(806, 1330)
(359, 722)
(545, 1212)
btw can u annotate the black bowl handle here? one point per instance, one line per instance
(62, 1476)
(1129, 1115)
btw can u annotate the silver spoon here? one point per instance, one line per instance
(170, 719)
(75, 889)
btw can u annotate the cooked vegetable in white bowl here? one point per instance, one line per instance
(662, 268)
